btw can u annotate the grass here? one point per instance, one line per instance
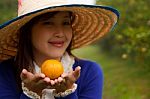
(122, 79)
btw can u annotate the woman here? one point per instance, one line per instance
(50, 30)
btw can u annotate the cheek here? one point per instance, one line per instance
(40, 34)
(69, 34)
(38, 38)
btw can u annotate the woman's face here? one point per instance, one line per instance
(52, 36)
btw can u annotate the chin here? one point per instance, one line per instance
(55, 55)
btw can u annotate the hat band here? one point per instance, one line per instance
(27, 6)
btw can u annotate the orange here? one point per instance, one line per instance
(52, 68)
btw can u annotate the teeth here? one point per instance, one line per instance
(58, 45)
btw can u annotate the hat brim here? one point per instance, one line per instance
(91, 23)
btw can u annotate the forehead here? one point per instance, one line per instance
(52, 15)
(62, 14)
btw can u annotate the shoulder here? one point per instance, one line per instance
(6, 67)
(5, 64)
(91, 76)
(7, 71)
(89, 68)
(84, 63)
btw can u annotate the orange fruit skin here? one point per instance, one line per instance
(52, 68)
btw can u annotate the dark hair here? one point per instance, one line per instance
(24, 57)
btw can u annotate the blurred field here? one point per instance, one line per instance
(122, 79)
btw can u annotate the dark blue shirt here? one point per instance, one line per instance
(90, 82)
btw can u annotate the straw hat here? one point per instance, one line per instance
(91, 22)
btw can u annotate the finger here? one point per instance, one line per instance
(64, 75)
(48, 82)
(26, 75)
(24, 71)
(46, 79)
(60, 79)
(42, 75)
(56, 81)
(42, 84)
(70, 77)
(30, 75)
(52, 82)
(76, 72)
(70, 71)
(23, 74)
(37, 77)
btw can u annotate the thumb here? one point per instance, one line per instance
(76, 72)
(23, 74)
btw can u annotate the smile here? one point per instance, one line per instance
(57, 43)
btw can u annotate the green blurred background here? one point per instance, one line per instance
(124, 54)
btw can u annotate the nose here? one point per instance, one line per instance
(59, 32)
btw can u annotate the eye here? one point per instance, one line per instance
(48, 23)
(67, 23)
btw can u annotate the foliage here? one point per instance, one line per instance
(131, 36)
(122, 79)
(8, 9)
(129, 39)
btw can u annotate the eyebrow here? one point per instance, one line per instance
(67, 16)
(47, 17)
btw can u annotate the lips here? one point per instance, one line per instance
(57, 43)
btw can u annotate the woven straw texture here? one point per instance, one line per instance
(90, 24)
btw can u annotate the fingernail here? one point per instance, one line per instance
(63, 75)
(52, 82)
(42, 75)
(56, 80)
(60, 79)
(47, 79)
(24, 71)
(79, 67)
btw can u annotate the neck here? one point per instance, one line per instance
(39, 59)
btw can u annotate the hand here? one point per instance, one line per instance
(38, 82)
(35, 82)
(66, 80)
